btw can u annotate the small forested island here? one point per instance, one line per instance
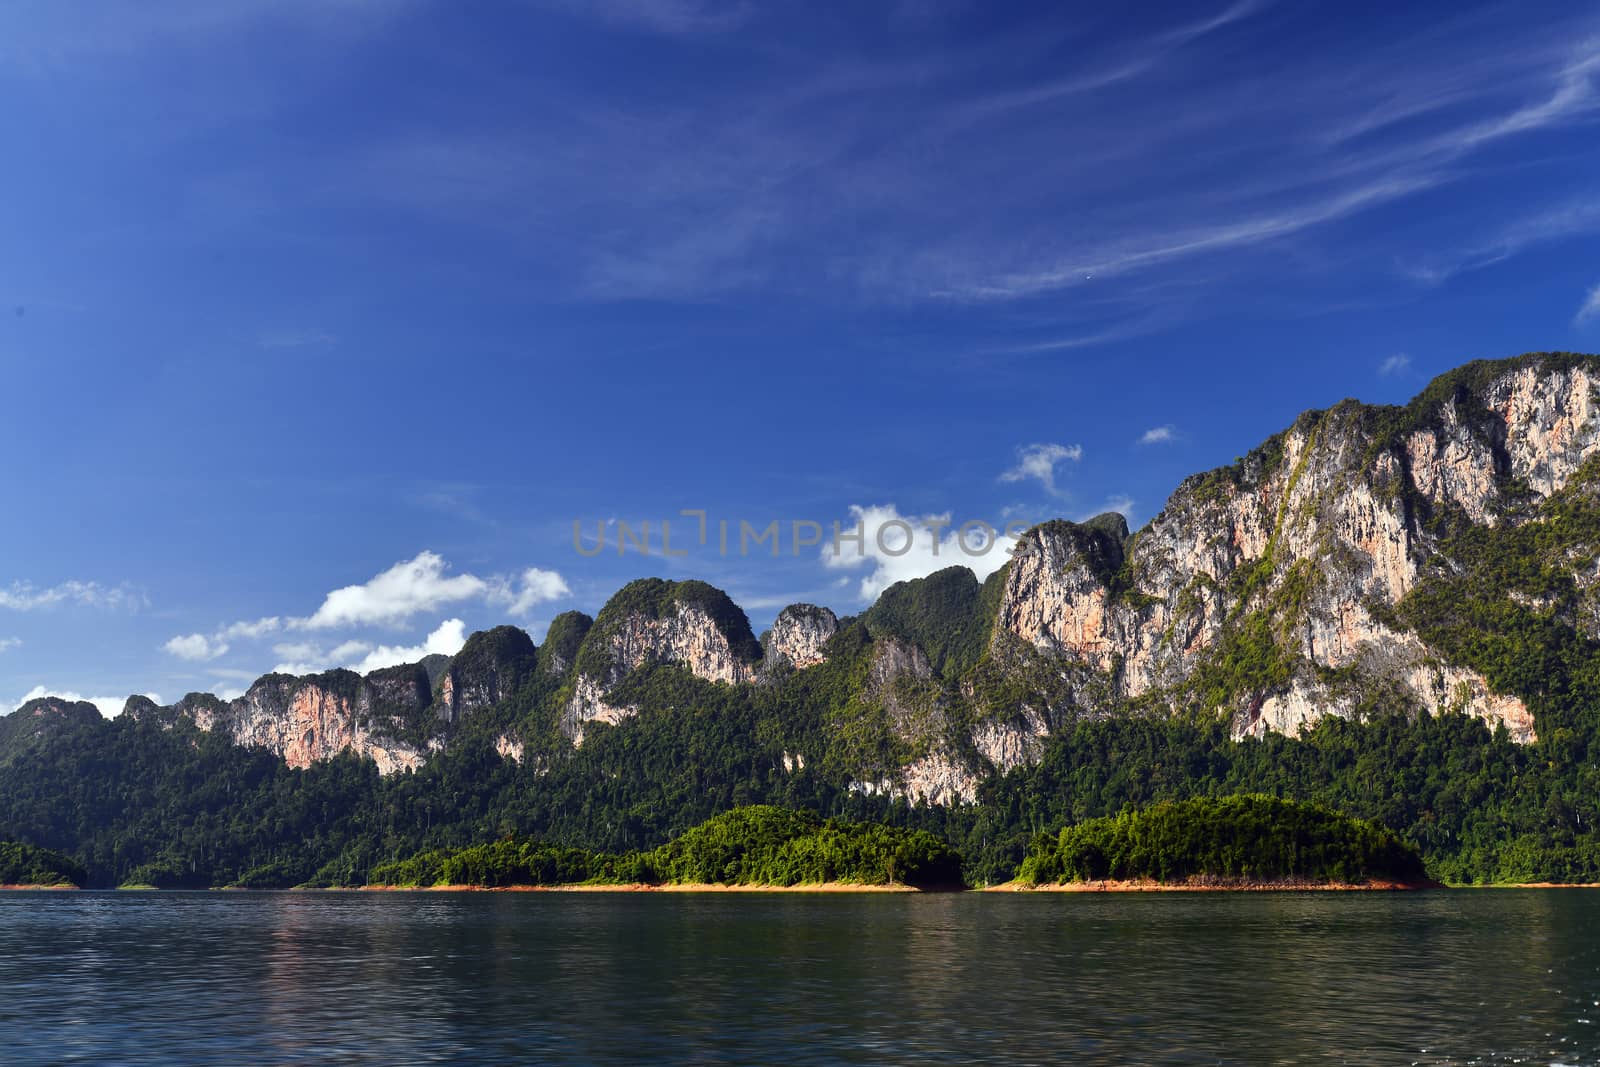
(759, 846)
(27, 867)
(1237, 842)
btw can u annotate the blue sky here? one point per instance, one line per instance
(323, 320)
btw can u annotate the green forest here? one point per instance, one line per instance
(759, 845)
(134, 802)
(1245, 839)
(26, 865)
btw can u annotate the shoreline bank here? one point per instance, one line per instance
(13, 887)
(1142, 886)
(639, 887)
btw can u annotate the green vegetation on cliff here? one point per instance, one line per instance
(1247, 839)
(170, 805)
(1508, 603)
(948, 614)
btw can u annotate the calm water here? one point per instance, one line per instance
(1447, 977)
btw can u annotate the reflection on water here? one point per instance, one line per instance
(1435, 978)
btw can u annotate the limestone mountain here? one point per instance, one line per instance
(1394, 611)
(1413, 559)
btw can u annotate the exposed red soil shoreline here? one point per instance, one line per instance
(640, 887)
(1214, 886)
(52, 888)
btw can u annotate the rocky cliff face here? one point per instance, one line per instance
(1298, 556)
(309, 719)
(651, 622)
(395, 716)
(490, 667)
(798, 636)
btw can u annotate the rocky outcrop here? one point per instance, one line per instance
(588, 704)
(491, 666)
(395, 717)
(655, 622)
(798, 636)
(559, 653)
(304, 720)
(1301, 552)
(43, 718)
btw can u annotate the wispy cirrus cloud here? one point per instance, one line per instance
(39, 36)
(1574, 219)
(673, 17)
(928, 173)
(784, 173)
(25, 596)
(1590, 309)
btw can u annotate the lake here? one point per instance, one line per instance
(1448, 977)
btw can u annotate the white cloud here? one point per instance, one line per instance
(195, 647)
(199, 648)
(1039, 463)
(24, 596)
(536, 587)
(110, 707)
(394, 596)
(1159, 435)
(1395, 364)
(259, 628)
(446, 640)
(364, 657)
(298, 650)
(9, 643)
(1590, 308)
(300, 667)
(349, 650)
(901, 547)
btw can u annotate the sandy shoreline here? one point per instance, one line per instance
(10, 887)
(845, 887)
(1528, 885)
(641, 887)
(1113, 886)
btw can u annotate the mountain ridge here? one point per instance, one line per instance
(1273, 591)
(1389, 611)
